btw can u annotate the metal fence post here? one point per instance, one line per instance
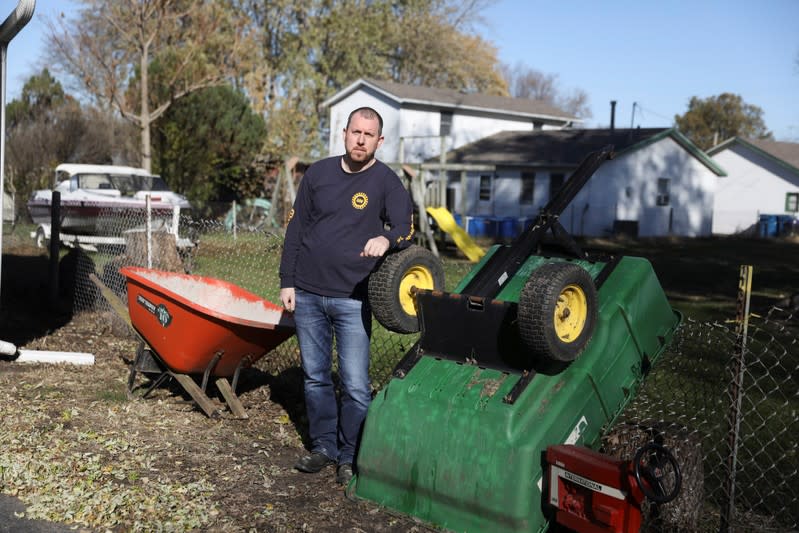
(736, 392)
(175, 220)
(233, 210)
(55, 246)
(149, 230)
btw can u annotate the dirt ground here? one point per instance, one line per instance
(75, 449)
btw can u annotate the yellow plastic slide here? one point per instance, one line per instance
(447, 223)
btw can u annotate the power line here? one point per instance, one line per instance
(641, 109)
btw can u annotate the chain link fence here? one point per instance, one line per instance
(237, 243)
(739, 471)
(687, 403)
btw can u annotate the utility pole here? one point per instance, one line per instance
(8, 30)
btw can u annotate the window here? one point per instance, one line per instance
(528, 186)
(485, 188)
(792, 202)
(555, 183)
(93, 181)
(664, 186)
(446, 123)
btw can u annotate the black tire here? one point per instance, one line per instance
(389, 286)
(557, 312)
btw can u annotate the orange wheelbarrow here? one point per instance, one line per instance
(199, 327)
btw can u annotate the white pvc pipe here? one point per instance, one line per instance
(6, 348)
(42, 356)
(37, 356)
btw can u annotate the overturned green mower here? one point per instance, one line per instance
(539, 345)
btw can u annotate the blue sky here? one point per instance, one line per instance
(659, 54)
(655, 53)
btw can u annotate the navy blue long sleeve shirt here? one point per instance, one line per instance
(334, 215)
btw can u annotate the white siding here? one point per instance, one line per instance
(419, 127)
(754, 185)
(419, 130)
(470, 127)
(604, 198)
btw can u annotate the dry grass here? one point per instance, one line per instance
(76, 450)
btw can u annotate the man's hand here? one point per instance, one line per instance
(287, 297)
(375, 247)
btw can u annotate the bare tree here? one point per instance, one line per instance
(526, 82)
(47, 126)
(67, 133)
(140, 56)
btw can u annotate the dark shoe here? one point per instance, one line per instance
(343, 473)
(313, 463)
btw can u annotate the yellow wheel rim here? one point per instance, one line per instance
(419, 277)
(571, 312)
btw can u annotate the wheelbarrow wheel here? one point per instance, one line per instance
(390, 296)
(557, 311)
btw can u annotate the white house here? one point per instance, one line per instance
(420, 121)
(659, 183)
(763, 179)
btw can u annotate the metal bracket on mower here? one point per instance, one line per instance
(470, 330)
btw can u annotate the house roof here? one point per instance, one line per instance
(566, 147)
(452, 99)
(783, 153)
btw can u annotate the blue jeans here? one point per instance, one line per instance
(334, 429)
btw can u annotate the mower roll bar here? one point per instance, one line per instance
(507, 260)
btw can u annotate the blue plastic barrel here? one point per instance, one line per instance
(476, 226)
(769, 226)
(508, 228)
(491, 227)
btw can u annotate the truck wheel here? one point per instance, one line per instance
(390, 286)
(557, 311)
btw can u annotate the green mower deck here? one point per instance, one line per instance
(539, 345)
(446, 444)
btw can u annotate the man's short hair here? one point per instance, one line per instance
(367, 112)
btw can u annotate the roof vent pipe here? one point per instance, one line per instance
(612, 115)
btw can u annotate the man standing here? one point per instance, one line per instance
(349, 211)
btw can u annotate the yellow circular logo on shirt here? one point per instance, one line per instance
(359, 200)
(291, 214)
